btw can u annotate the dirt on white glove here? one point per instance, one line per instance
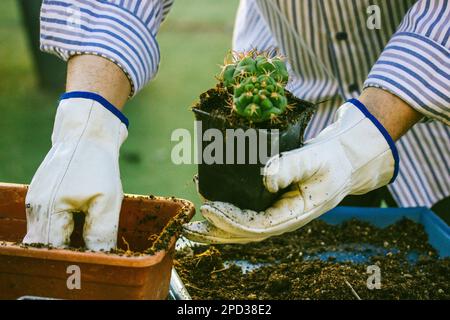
(79, 174)
(354, 155)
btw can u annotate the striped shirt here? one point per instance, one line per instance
(334, 48)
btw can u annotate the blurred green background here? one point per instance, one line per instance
(193, 41)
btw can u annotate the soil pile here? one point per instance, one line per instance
(313, 263)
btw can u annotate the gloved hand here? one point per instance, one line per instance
(80, 173)
(354, 155)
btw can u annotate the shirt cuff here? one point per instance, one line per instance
(417, 70)
(105, 29)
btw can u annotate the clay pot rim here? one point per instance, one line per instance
(101, 258)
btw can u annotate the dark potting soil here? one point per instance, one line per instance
(286, 271)
(217, 102)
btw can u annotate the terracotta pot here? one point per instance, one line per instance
(45, 272)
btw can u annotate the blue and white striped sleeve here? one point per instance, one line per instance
(121, 31)
(415, 64)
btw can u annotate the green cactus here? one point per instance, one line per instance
(259, 98)
(275, 66)
(228, 75)
(257, 82)
(244, 68)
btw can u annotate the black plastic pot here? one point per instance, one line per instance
(241, 184)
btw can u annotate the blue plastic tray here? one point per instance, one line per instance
(437, 230)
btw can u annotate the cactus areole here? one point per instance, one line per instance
(250, 95)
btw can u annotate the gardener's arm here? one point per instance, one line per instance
(112, 54)
(355, 154)
(394, 114)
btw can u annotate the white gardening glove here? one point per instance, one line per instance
(80, 173)
(354, 155)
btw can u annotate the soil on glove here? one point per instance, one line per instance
(288, 267)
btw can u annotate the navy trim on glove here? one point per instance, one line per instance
(96, 97)
(383, 131)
